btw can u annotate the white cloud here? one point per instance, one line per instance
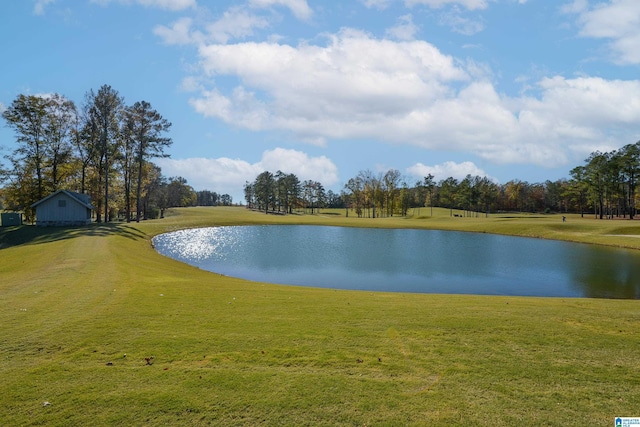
(38, 8)
(434, 4)
(468, 4)
(452, 15)
(224, 175)
(320, 169)
(376, 4)
(447, 169)
(235, 23)
(461, 24)
(191, 84)
(179, 33)
(407, 92)
(299, 8)
(576, 6)
(405, 30)
(592, 101)
(615, 20)
(169, 4)
(330, 91)
(162, 4)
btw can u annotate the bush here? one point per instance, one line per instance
(153, 213)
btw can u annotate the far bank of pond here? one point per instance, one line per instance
(408, 260)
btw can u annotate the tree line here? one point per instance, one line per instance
(606, 185)
(283, 193)
(211, 198)
(103, 149)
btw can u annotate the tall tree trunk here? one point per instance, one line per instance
(139, 187)
(106, 186)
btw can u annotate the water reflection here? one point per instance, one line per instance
(426, 261)
(608, 275)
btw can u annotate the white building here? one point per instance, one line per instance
(63, 208)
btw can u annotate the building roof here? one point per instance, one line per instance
(82, 199)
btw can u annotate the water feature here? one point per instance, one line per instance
(408, 260)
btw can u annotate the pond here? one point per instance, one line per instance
(408, 260)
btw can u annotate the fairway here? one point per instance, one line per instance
(99, 329)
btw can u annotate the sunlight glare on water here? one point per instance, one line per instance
(195, 245)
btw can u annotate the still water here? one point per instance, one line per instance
(426, 261)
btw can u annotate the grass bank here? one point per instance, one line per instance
(107, 332)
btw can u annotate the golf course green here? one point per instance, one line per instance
(99, 329)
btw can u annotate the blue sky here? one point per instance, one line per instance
(510, 89)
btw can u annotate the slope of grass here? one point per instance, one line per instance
(108, 332)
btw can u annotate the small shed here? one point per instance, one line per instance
(8, 219)
(63, 208)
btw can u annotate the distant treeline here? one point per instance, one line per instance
(211, 198)
(105, 149)
(284, 193)
(605, 186)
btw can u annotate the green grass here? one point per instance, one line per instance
(230, 352)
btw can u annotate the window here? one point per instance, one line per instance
(62, 203)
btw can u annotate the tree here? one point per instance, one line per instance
(448, 193)
(86, 141)
(405, 198)
(313, 195)
(334, 200)
(487, 193)
(429, 185)
(354, 193)
(155, 192)
(391, 183)
(180, 194)
(371, 188)
(515, 192)
(249, 194)
(105, 109)
(465, 194)
(555, 195)
(609, 181)
(59, 123)
(101, 151)
(595, 179)
(264, 191)
(630, 165)
(27, 115)
(207, 198)
(578, 188)
(43, 127)
(287, 190)
(145, 128)
(127, 159)
(292, 191)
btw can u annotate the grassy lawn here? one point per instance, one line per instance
(107, 332)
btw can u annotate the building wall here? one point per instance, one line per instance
(62, 210)
(8, 219)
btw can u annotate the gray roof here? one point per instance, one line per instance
(80, 198)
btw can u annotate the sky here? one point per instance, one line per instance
(508, 89)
